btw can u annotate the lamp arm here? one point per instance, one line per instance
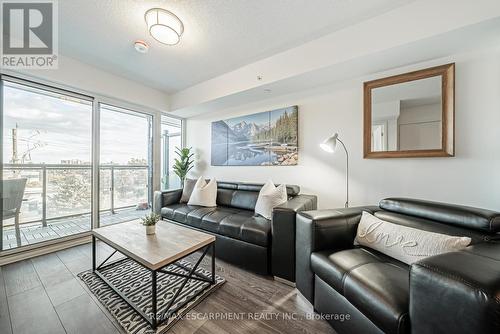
(346, 173)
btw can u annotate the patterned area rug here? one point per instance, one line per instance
(135, 282)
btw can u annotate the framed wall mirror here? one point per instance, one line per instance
(411, 114)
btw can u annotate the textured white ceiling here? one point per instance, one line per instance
(220, 35)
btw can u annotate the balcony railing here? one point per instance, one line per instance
(55, 191)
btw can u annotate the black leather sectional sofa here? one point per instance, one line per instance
(456, 292)
(243, 238)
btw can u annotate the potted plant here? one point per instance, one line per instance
(150, 222)
(183, 163)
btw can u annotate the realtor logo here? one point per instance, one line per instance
(29, 30)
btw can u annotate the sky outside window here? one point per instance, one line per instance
(54, 128)
(124, 136)
(50, 127)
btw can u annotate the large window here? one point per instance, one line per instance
(53, 141)
(47, 141)
(125, 164)
(171, 136)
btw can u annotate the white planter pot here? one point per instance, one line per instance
(151, 229)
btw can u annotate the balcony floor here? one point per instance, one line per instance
(57, 228)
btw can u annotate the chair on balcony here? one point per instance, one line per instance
(13, 192)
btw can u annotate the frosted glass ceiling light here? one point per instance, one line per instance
(164, 26)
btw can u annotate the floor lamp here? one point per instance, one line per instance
(329, 145)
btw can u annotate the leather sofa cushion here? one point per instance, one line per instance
(224, 196)
(231, 222)
(243, 199)
(244, 195)
(211, 221)
(292, 190)
(178, 212)
(374, 283)
(194, 217)
(247, 227)
(381, 292)
(168, 211)
(239, 224)
(240, 199)
(458, 215)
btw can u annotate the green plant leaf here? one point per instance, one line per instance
(184, 162)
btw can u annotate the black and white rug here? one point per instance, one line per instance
(134, 281)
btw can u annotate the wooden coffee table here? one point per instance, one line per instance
(171, 243)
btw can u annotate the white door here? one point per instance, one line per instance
(379, 137)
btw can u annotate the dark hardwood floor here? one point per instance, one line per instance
(43, 295)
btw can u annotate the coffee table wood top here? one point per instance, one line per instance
(170, 243)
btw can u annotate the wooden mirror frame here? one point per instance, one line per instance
(447, 73)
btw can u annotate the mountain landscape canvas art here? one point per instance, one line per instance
(263, 139)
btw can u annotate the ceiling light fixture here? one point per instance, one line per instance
(164, 26)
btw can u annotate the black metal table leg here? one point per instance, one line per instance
(168, 312)
(93, 253)
(154, 319)
(154, 297)
(213, 263)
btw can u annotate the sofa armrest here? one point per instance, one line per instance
(321, 230)
(457, 292)
(164, 198)
(283, 234)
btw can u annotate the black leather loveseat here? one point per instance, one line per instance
(456, 292)
(243, 238)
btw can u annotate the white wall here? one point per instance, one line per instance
(472, 177)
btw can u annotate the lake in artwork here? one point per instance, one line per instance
(264, 139)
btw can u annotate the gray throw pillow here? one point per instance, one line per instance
(187, 190)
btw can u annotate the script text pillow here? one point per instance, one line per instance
(404, 243)
(270, 197)
(187, 190)
(204, 194)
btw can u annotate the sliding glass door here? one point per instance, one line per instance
(171, 139)
(46, 171)
(125, 177)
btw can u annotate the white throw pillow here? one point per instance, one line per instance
(270, 197)
(404, 243)
(204, 194)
